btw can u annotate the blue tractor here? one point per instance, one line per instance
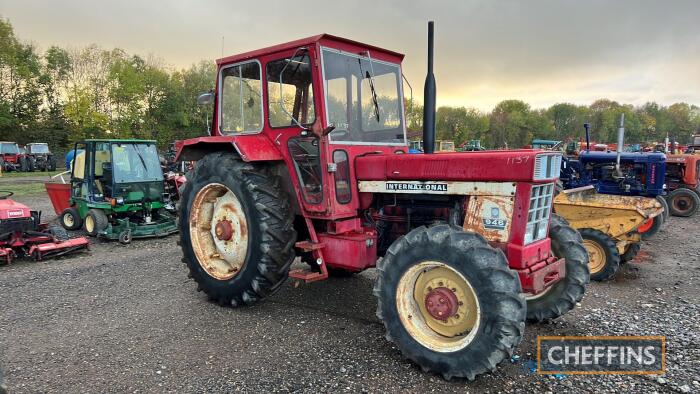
(620, 173)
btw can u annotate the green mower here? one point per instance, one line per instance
(116, 191)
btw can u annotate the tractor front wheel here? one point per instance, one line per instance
(449, 301)
(562, 297)
(683, 202)
(665, 206)
(95, 221)
(236, 230)
(631, 252)
(602, 252)
(651, 226)
(70, 219)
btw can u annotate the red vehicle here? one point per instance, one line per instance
(683, 183)
(22, 234)
(11, 158)
(308, 157)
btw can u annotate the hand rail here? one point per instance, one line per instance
(61, 174)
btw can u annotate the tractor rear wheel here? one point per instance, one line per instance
(562, 297)
(664, 204)
(683, 202)
(70, 219)
(449, 301)
(631, 252)
(23, 164)
(95, 221)
(602, 252)
(236, 230)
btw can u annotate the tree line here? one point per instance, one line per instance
(67, 94)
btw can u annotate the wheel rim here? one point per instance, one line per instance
(645, 226)
(68, 219)
(219, 231)
(596, 256)
(89, 224)
(438, 306)
(682, 203)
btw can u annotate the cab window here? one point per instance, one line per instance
(241, 99)
(290, 91)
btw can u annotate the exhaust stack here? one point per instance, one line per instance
(620, 143)
(429, 99)
(587, 126)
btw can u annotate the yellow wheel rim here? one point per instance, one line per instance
(89, 224)
(68, 220)
(438, 306)
(218, 231)
(596, 256)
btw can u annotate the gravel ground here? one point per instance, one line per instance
(126, 318)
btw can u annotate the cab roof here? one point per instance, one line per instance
(323, 39)
(124, 140)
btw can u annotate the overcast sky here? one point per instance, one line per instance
(542, 52)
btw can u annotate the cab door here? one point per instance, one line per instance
(292, 107)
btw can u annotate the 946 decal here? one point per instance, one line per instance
(494, 224)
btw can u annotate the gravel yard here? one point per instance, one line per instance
(127, 318)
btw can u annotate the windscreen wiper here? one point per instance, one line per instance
(143, 162)
(371, 84)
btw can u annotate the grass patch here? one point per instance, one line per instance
(17, 174)
(24, 189)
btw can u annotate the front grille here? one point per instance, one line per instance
(547, 166)
(538, 214)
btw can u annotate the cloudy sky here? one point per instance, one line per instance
(542, 52)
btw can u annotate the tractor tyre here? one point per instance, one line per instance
(683, 202)
(23, 164)
(664, 204)
(603, 254)
(650, 227)
(32, 164)
(236, 230)
(562, 297)
(95, 222)
(449, 301)
(70, 219)
(51, 164)
(630, 252)
(59, 233)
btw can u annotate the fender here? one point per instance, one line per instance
(250, 147)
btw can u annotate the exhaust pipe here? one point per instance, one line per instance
(587, 126)
(429, 99)
(620, 143)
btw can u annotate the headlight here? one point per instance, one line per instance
(547, 166)
(538, 212)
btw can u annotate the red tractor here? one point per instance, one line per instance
(308, 157)
(12, 158)
(683, 183)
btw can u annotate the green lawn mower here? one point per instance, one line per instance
(116, 191)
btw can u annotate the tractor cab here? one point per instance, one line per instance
(122, 170)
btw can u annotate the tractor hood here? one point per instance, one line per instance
(636, 157)
(10, 209)
(493, 166)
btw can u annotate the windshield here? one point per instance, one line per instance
(135, 163)
(363, 100)
(9, 148)
(39, 148)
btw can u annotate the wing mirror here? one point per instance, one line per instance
(205, 98)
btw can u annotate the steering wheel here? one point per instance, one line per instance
(5, 194)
